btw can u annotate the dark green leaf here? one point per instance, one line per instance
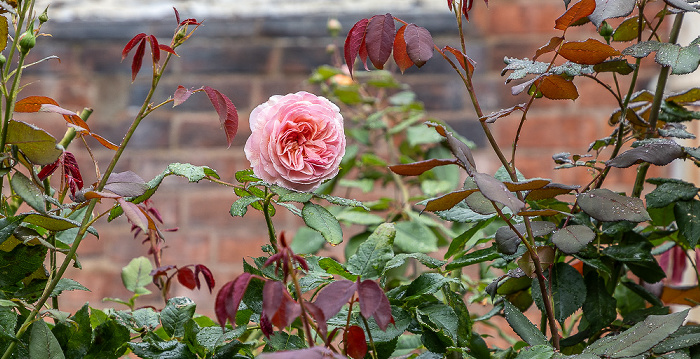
(75, 337)
(35, 143)
(307, 241)
(8, 321)
(684, 337)
(477, 256)
(20, 263)
(8, 226)
(522, 326)
(152, 349)
(176, 313)
(43, 344)
(537, 352)
(681, 59)
(331, 266)
(622, 67)
(572, 239)
(671, 192)
(459, 242)
(687, 215)
(567, 290)
(599, 309)
(67, 284)
(423, 258)
(642, 49)
(373, 254)
(318, 218)
(282, 341)
(464, 323)
(607, 206)
(28, 191)
(426, 283)
(439, 318)
(639, 338)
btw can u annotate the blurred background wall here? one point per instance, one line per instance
(251, 50)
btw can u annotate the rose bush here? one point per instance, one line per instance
(297, 140)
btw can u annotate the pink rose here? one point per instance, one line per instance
(297, 141)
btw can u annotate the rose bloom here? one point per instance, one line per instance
(297, 141)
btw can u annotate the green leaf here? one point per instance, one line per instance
(20, 263)
(459, 242)
(153, 349)
(627, 30)
(522, 326)
(8, 321)
(423, 258)
(35, 143)
(75, 337)
(572, 239)
(68, 236)
(688, 219)
(8, 226)
(599, 307)
(507, 241)
(477, 256)
(28, 191)
(359, 217)
(136, 275)
(340, 201)
(67, 284)
(318, 218)
(608, 206)
(426, 283)
(536, 352)
(567, 290)
(373, 254)
(412, 237)
(671, 192)
(43, 344)
(176, 313)
(684, 337)
(307, 241)
(464, 323)
(639, 338)
(682, 59)
(331, 266)
(440, 318)
(240, 206)
(282, 341)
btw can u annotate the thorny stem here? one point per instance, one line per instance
(656, 107)
(91, 206)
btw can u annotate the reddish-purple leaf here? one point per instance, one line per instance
(47, 170)
(177, 15)
(130, 45)
(318, 316)
(155, 49)
(369, 293)
(466, 6)
(383, 315)
(229, 298)
(419, 44)
(450, 3)
(126, 184)
(355, 342)
(134, 214)
(363, 54)
(496, 191)
(353, 42)
(265, 326)
(71, 172)
(206, 273)
(187, 278)
(138, 60)
(167, 48)
(658, 153)
(400, 55)
(286, 313)
(334, 296)
(273, 292)
(228, 115)
(181, 95)
(162, 270)
(379, 39)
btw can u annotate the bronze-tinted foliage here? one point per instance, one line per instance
(376, 38)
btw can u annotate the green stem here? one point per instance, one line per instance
(656, 107)
(86, 220)
(268, 221)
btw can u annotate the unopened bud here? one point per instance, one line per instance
(44, 17)
(2, 60)
(334, 27)
(27, 41)
(606, 31)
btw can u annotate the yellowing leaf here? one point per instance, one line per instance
(3, 32)
(589, 52)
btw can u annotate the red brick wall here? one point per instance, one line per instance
(249, 60)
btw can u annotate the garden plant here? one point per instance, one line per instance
(575, 270)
